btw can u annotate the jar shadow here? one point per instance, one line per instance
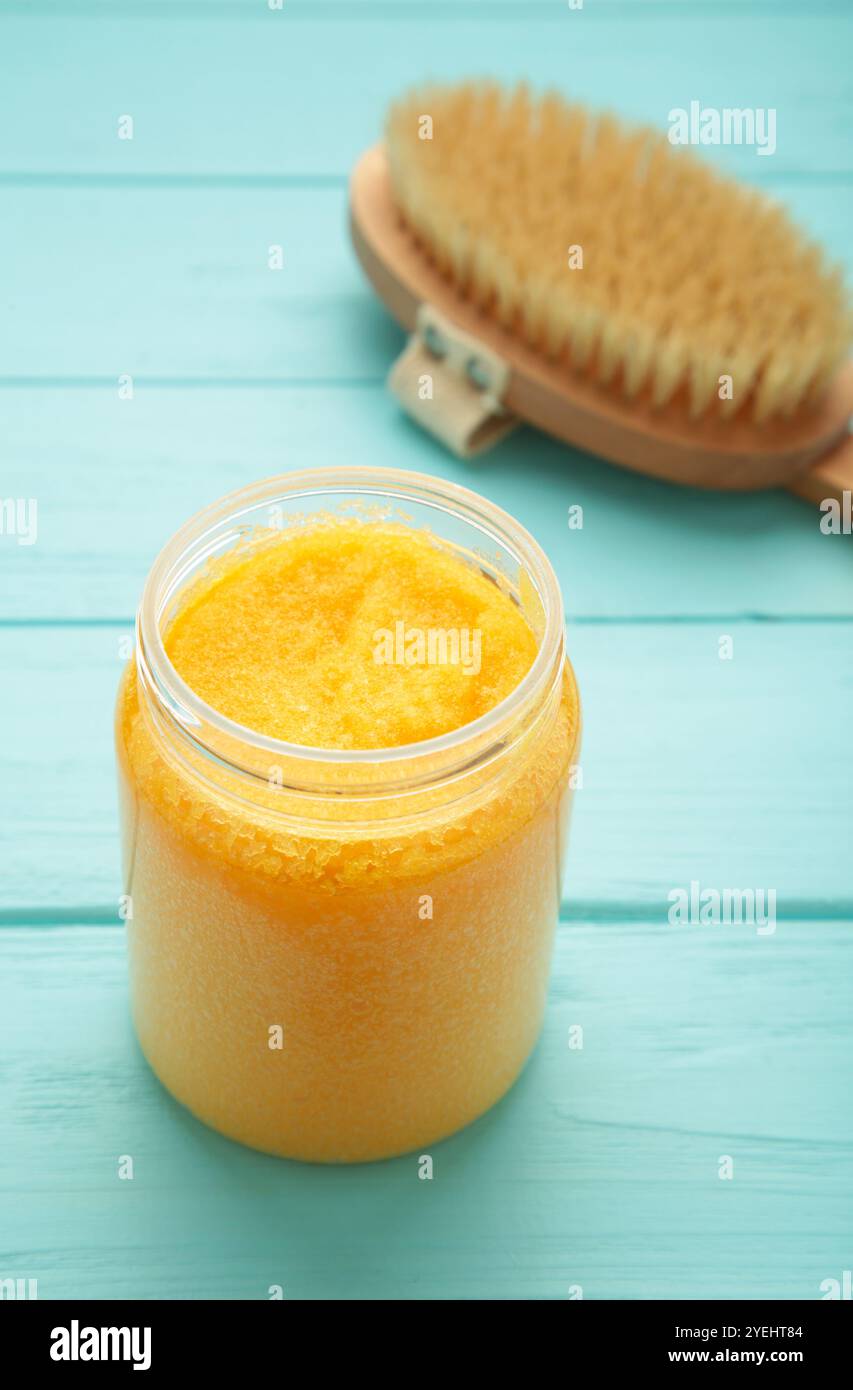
(336, 1231)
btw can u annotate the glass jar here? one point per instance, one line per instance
(343, 955)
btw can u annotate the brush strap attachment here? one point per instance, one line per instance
(452, 384)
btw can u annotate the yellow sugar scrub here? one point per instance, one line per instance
(344, 753)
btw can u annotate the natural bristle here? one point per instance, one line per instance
(684, 276)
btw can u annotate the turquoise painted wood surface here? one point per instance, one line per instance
(693, 767)
(149, 258)
(646, 550)
(599, 1168)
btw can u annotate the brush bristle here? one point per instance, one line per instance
(687, 276)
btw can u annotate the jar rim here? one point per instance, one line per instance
(192, 713)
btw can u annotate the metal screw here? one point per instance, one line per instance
(478, 373)
(434, 341)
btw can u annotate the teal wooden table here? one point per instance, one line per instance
(147, 260)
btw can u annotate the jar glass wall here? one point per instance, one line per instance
(343, 954)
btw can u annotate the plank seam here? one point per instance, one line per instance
(572, 914)
(447, 11)
(309, 182)
(192, 383)
(578, 620)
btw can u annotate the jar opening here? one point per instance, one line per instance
(218, 747)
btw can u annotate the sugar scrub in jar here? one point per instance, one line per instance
(344, 752)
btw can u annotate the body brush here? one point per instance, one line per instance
(564, 269)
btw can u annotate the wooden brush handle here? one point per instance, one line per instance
(832, 477)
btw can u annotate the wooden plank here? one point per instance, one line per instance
(321, 10)
(114, 478)
(309, 10)
(600, 1169)
(168, 282)
(734, 773)
(177, 282)
(304, 89)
